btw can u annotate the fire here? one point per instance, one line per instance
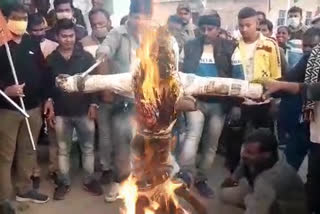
(150, 188)
(149, 66)
(162, 193)
(129, 194)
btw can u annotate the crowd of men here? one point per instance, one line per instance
(251, 134)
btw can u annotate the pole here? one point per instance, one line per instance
(14, 104)
(14, 73)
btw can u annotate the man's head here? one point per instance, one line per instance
(124, 20)
(63, 9)
(29, 5)
(248, 23)
(97, 4)
(316, 21)
(37, 27)
(175, 23)
(259, 149)
(100, 23)
(184, 11)
(282, 35)
(209, 26)
(66, 34)
(266, 28)
(294, 17)
(139, 16)
(17, 19)
(261, 16)
(310, 39)
(43, 6)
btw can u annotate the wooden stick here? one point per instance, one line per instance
(14, 73)
(24, 113)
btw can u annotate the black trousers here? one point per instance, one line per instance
(313, 179)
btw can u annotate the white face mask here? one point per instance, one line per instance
(64, 15)
(294, 22)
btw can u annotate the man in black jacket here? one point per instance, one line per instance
(207, 56)
(33, 87)
(72, 111)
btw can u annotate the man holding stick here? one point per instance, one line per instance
(27, 59)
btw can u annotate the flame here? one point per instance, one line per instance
(149, 66)
(129, 193)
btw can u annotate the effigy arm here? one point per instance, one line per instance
(118, 83)
(194, 85)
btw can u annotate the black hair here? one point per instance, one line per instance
(247, 12)
(175, 19)
(140, 7)
(124, 20)
(35, 19)
(13, 7)
(295, 9)
(262, 13)
(267, 140)
(268, 23)
(210, 20)
(64, 24)
(285, 27)
(99, 10)
(56, 3)
(311, 32)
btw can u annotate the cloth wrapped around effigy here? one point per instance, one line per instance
(159, 91)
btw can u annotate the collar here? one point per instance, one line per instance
(299, 28)
(77, 52)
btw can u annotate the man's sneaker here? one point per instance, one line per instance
(185, 177)
(35, 182)
(61, 191)
(32, 196)
(204, 189)
(94, 188)
(106, 177)
(113, 193)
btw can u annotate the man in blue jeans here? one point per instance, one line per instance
(207, 56)
(72, 111)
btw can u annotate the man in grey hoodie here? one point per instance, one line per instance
(264, 182)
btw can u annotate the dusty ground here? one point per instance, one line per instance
(80, 202)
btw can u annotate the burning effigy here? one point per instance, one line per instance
(158, 90)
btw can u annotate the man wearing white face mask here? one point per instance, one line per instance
(294, 22)
(64, 10)
(101, 25)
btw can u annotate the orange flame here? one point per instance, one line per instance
(149, 66)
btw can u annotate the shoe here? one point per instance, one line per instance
(94, 188)
(106, 177)
(185, 177)
(61, 191)
(113, 193)
(32, 196)
(204, 189)
(35, 182)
